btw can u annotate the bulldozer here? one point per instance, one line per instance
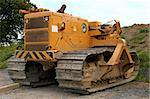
(81, 56)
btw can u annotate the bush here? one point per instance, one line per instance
(144, 57)
(5, 53)
(145, 30)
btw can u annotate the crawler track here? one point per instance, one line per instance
(17, 71)
(76, 71)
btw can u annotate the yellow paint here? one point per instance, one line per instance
(45, 54)
(38, 55)
(19, 54)
(38, 29)
(66, 33)
(24, 54)
(32, 55)
(36, 43)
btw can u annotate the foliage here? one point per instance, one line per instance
(139, 40)
(11, 21)
(145, 30)
(5, 53)
(144, 57)
(140, 43)
(139, 37)
(123, 36)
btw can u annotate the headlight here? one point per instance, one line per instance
(62, 26)
(84, 28)
(46, 18)
(26, 20)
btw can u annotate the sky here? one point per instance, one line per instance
(127, 11)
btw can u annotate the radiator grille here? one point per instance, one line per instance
(36, 47)
(36, 23)
(37, 36)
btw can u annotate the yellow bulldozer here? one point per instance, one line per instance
(79, 55)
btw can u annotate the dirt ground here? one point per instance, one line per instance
(4, 78)
(132, 90)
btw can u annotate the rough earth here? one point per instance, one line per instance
(132, 90)
(131, 30)
(4, 78)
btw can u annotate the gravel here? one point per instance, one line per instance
(132, 90)
(4, 78)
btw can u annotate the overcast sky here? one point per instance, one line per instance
(127, 11)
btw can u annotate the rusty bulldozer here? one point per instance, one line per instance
(82, 56)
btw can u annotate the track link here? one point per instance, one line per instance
(16, 70)
(73, 74)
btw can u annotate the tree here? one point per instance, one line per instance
(11, 21)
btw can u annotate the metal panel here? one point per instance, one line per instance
(37, 36)
(36, 23)
(36, 47)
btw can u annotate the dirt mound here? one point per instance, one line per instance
(138, 38)
(131, 30)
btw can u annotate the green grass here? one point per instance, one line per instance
(5, 53)
(124, 36)
(144, 57)
(139, 38)
(139, 43)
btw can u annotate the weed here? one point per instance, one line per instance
(5, 53)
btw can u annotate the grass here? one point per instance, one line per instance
(139, 43)
(139, 37)
(5, 53)
(144, 57)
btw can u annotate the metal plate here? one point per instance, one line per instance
(36, 47)
(37, 36)
(36, 23)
